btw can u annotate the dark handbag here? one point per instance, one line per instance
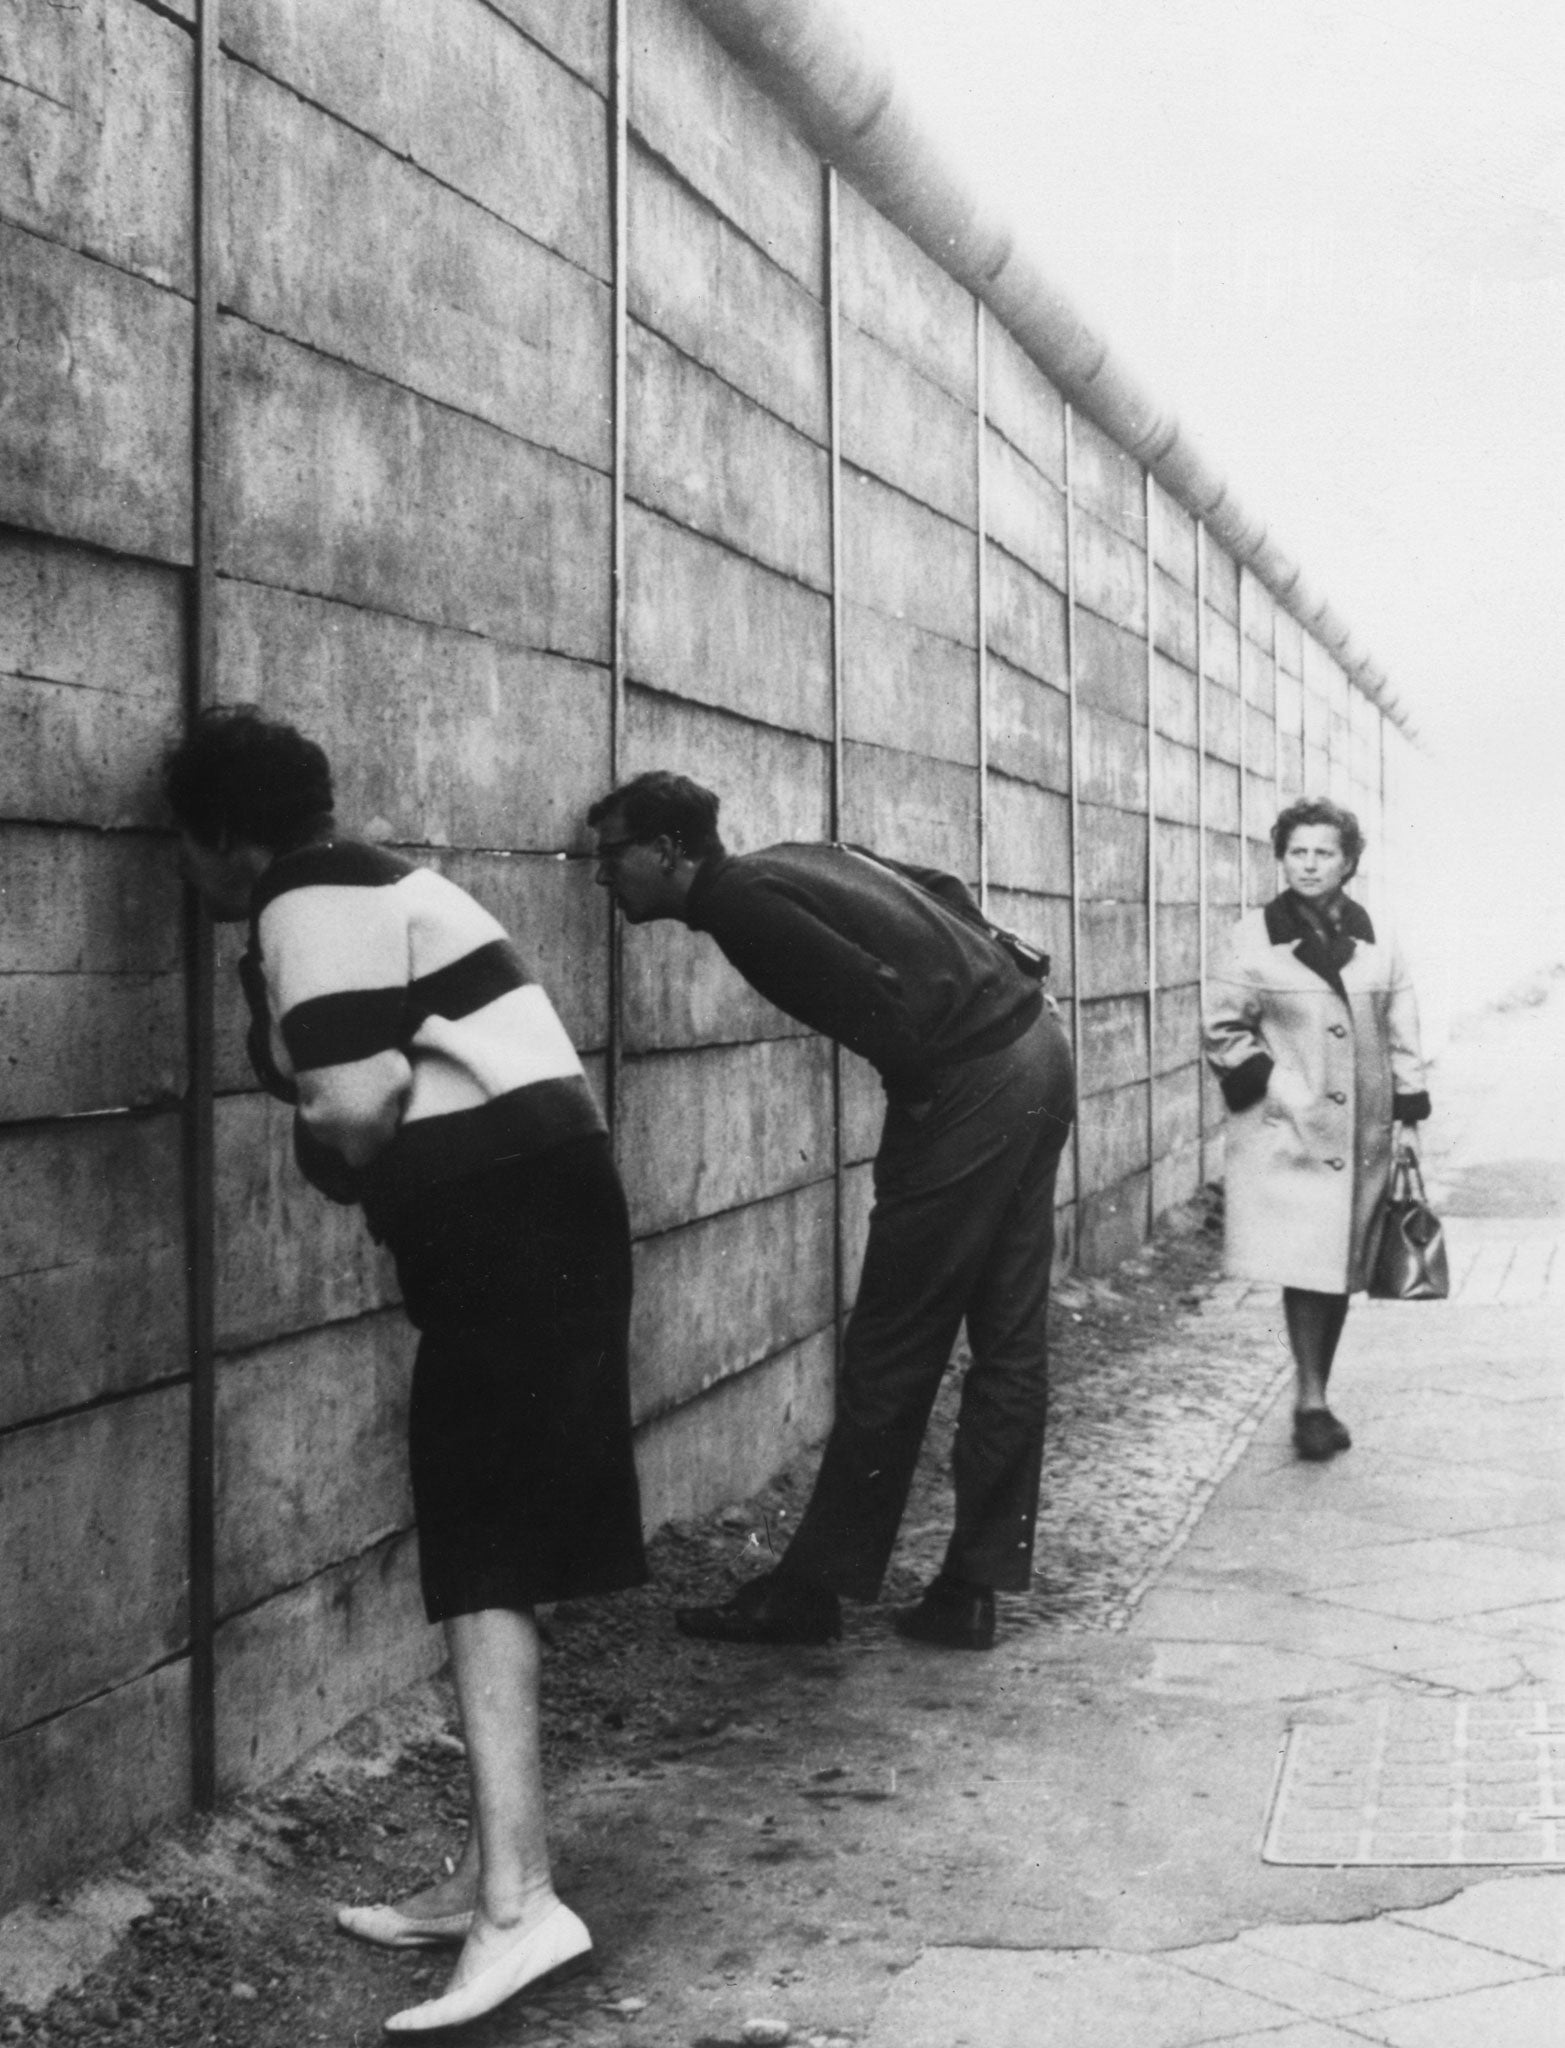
(1410, 1261)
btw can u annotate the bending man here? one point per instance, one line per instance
(899, 966)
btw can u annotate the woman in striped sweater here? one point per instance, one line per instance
(433, 1085)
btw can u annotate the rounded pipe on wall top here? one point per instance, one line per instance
(843, 98)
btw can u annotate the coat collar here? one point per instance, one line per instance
(1286, 925)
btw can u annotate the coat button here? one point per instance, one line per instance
(1339, 1030)
(1336, 1165)
(1337, 1095)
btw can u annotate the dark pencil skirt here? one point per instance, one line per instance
(518, 1279)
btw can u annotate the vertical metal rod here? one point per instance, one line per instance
(980, 342)
(1385, 841)
(1074, 721)
(1277, 795)
(619, 196)
(1203, 908)
(200, 1172)
(834, 514)
(1244, 748)
(1150, 509)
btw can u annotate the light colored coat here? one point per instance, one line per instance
(1315, 1067)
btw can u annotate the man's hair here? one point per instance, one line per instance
(660, 803)
(1316, 810)
(241, 776)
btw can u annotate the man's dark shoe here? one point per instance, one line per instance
(771, 1609)
(952, 1616)
(1317, 1434)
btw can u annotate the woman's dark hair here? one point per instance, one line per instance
(1316, 810)
(660, 803)
(238, 775)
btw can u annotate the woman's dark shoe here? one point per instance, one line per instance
(951, 1616)
(1317, 1434)
(771, 1609)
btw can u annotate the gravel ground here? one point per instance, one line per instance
(238, 1948)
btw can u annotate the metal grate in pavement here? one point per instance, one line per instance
(1424, 1781)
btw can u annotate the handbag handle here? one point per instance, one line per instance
(1407, 1178)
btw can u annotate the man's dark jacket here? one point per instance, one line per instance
(855, 951)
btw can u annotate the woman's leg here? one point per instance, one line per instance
(1314, 1327)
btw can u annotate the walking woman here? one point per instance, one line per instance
(433, 1084)
(1312, 1032)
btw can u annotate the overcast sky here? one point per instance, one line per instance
(1330, 236)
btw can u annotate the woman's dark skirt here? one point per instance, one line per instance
(524, 1487)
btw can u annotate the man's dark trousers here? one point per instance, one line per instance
(963, 1225)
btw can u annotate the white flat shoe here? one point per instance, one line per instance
(558, 1938)
(390, 1927)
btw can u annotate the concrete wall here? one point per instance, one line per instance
(877, 580)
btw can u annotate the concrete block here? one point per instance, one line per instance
(1173, 539)
(1222, 796)
(1178, 863)
(1024, 510)
(1111, 668)
(1176, 1104)
(311, 1454)
(1260, 677)
(441, 85)
(705, 456)
(1258, 608)
(717, 1297)
(858, 1202)
(1044, 922)
(704, 623)
(335, 242)
(1029, 837)
(696, 107)
(475, 743)
(1174, 700)
(1112, 768)
(87, 903)
(82, 1042)
(911, 807)
(1113, 1136)
(1113, 1045)
(1029, 727)
(1022, 403)
(575, 31)
(95, 133)
(1262, 883)
(91, 654)
(1289, 644)
(1222, 868)
(711, 1130)
(696, 280)
(1175, 782)
(730, 1442)
(893, 291)
(1260, 744)
(92, 1262)
(95, 432)
(1109, 485)
(1220, 652)
(1223, 720)
(1111, 575)
(86, 1783)
(1174, 619)
(905, 429)
(93, 1530)
(1221, 583)
(903, 686)
(297, 1669)
(1290, 704)
(1026, 619)
(863, 1103)
(1176, 1178)
(904, 560)
(1113, 949)
(1112, 855)
(1178, 1029)
(287, 1259)
(1113, 1224)
(680, 991)
(1290, 766)
(335, 483)
(1178, 944)
(773, 785)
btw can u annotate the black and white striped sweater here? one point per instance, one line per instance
(385, 983)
